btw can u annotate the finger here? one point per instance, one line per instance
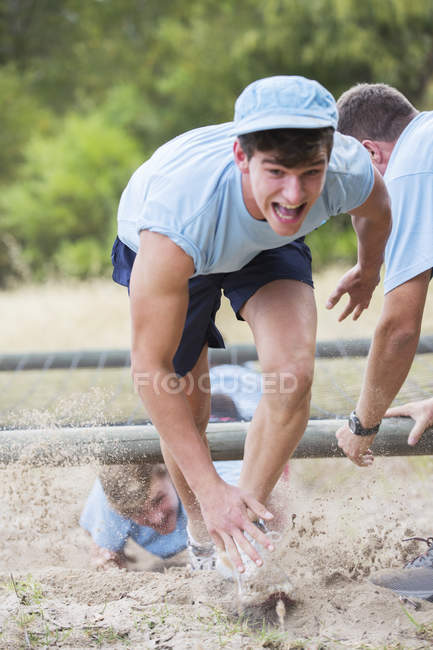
(395, 411)
(259, 536)
(245, 545)
(218, 541)
(259, 510)
(233, 553)
(334, 298)
(345, 313)
(362, 461)
(366, 461)
(358, 311)
(417, 431)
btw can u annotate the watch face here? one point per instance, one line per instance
(352, 423)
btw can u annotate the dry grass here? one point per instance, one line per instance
(65, 316)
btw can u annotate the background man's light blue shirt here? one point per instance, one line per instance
(190, 190)
(409, 179)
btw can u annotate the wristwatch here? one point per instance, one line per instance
(356, 427)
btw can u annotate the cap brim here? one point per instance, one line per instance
(280, 122)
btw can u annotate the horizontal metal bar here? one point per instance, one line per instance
(132, 444)
(235, 354)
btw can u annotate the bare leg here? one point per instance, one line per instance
(199, 401)
(282, 316)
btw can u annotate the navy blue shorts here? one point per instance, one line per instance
(292, 261)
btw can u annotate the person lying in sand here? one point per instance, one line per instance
(140, 502)
(133, 501)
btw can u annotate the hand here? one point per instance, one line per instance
(104, 559)
(357, 448)
(421, 412)
(359, 286)
(225, 513)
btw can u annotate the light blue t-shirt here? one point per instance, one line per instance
(190, 190)
(409, 179)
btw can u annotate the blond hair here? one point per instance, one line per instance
(127, 487)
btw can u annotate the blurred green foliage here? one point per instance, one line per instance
(89, 88)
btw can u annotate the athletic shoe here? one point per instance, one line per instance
(425, 560)
(201, 556)
(409, 583)
(258, 585)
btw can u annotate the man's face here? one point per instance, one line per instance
(280, 195)
(160, 508)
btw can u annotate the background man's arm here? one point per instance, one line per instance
(159, 302)
(372, 223)
(391, 355)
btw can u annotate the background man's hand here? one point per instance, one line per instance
(359, 286)
(421, 412)
(357, 448)
(225, 513)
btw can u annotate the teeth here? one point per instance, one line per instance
(288, 206)
(281, 215)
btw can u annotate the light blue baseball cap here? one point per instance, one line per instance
(284, 102)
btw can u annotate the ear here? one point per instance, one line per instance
(375, 151)
(241, 158)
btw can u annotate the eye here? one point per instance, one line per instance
(276, 173)
(313, 172)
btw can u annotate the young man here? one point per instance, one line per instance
(220, 208)
(399, 140)
(137, 502)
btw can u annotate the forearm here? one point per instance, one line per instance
(388, 365)
(372, 223)
(165, 401)
(372, 236)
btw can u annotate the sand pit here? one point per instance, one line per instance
(344, 522)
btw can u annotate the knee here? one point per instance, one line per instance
(289, 383)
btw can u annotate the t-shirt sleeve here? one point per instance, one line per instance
(409, 250)
(107, 528)
(350, 177)
(158, 217)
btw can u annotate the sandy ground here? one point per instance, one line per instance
(344, 524)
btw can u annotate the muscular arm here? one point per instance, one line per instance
(391, 355)
(372, 224)
(159, 302)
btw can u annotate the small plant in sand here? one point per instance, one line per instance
(423, 630)
(28, 591)
(102, 635)
(30, 597)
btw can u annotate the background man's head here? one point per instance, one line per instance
(374, 112)
(142, 492)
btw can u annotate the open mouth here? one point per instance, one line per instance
(288, 213)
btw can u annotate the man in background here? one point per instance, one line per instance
(399, 140)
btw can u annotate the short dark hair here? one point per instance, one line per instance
(291, 147)
(374, 112)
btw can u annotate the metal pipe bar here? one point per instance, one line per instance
(132, 444)
(236, 354)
